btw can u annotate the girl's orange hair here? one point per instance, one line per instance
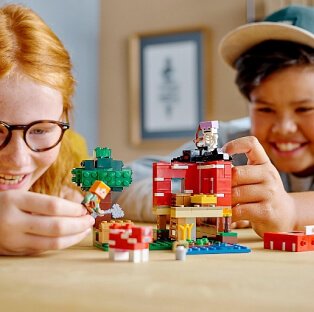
(28, 44)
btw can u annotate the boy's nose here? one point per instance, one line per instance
(285, 125)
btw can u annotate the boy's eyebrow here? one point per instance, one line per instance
(261, 101)
(304, 101)
(258, 101)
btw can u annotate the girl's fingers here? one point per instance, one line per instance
(40, 243)
(49, 205)
(57, 226)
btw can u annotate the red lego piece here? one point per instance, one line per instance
(289, 241)
(132, 242)
(211, 177)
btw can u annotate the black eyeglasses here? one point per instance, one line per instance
(39, 136)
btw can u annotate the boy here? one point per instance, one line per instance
(274, 60)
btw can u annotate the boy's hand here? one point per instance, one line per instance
(31, 223)
(258, 194)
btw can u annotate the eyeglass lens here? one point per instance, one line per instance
(39, 136)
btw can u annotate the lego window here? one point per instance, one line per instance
(177, 186)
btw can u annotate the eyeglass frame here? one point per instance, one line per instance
(63, 125)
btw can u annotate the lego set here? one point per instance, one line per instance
(193, 188)
(187, 193)
(191, 200)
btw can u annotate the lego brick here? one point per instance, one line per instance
(180, 253)
(161, 210)
(231, 234)
(102, 152)
(196, 212)
(104, 169)
(230, 237)
(296, 241)
(202, 199)
(218, 248)
(181, 199)
(161, 234)
(129, 242)
(161, 245)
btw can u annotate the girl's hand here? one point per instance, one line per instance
(32, 223)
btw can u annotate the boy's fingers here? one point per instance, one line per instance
(241, 212)
(57, 226)
(251, 147)
(41, 243)
(240, 224)
(253, 212)
(252, 193)
(249, 174)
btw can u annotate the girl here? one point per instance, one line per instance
(39, 207)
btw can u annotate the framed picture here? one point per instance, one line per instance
(168, 84)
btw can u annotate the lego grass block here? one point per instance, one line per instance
(161, 245)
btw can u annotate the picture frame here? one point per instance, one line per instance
(168, 84)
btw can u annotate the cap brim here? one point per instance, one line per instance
(244, 37)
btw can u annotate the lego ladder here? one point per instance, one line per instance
(173, 227)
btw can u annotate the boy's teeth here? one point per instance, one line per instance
(287, 147)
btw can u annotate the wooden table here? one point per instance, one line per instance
(81, 278)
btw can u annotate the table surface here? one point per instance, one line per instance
(82, 278)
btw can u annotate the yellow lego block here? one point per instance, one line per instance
(202, 199)
(185, 231)
(227, 212)
(196, 212)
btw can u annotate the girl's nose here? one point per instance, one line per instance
(16, 153)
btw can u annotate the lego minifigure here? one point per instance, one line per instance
(98, 191)
(207, 135)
